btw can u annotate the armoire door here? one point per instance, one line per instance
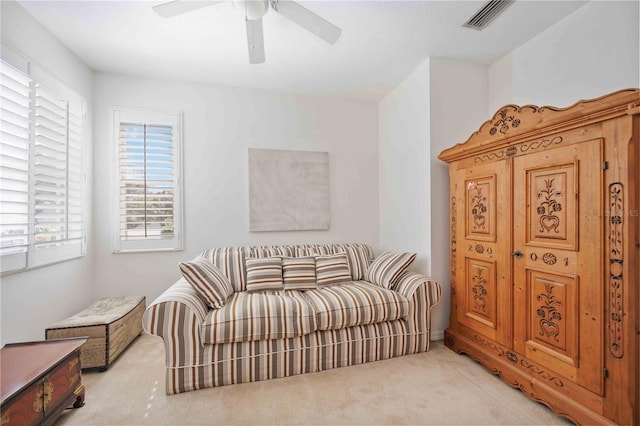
(557, 241)
(483, 290)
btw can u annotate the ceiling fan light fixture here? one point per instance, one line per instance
(251, 9)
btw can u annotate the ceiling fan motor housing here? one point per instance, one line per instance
(251, 9)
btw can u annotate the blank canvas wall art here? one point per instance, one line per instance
(288, 190)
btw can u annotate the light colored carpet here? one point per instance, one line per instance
(437, 387)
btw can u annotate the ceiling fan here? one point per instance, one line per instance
(253, 11)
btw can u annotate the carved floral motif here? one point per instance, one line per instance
(548, 313)
(504, 123)
(511, 151)
(479, 209)
(548, 207)
(479, 290)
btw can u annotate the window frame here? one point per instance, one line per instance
(147, 115)
(39, 254)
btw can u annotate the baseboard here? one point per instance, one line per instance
(436, 335)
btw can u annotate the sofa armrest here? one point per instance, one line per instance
(423, 294)
(177, 316)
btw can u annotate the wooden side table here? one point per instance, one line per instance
(39, 380)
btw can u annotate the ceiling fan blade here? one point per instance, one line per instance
(177, 7)
(307, 20)
(255, 41)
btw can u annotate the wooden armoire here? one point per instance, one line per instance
(545, 247)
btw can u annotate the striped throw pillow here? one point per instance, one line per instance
(264, 274)
(359, 260)
(208, 281)
(386, 269)
(299, 273)
(230, 261)
(332, 269)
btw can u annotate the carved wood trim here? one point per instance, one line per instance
(502, 131)
(489, 344)
(518, 149)
(545, 375)
(454, 218)
(616, 260)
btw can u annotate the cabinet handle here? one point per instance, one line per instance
(517, 254)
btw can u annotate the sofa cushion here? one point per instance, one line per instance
(264, 274)
(387, 268)
(299, 273)
(355, 303)
(209, 281)
(359, 258)
(313, 250)
(270, 251)
(230, 260)
(332, 269)
(259, 316)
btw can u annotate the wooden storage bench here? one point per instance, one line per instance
(110, 324)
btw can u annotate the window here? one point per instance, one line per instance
(148, 213)
(42, 126)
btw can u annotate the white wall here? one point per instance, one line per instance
(405, 175)
(458, 97)
(440, 104)
(32, 300)
(220, 124)
(592, 52)
(403, 132)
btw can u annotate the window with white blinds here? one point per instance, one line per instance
(148, 214)
(42, 123)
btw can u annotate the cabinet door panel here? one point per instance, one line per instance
(483, 291)
(552, 323)
(558, 282)
(480, 287)
(25, 409)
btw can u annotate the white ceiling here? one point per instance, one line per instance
(381, 44)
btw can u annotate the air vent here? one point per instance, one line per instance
(487, 13)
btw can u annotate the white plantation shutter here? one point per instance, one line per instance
(41, 193)
(75, 176)
(15, 100)
(148, 155)
(50, 167)
(58, 175)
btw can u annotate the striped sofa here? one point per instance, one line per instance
(273, 334)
